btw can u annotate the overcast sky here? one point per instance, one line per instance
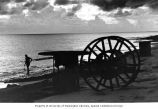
(78, 16)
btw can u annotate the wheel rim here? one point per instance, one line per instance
(113, 62)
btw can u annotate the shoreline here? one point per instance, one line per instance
(21, 72)
(144, 89)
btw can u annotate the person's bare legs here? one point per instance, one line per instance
(28, 72)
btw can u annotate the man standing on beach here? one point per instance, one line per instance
(28, 60)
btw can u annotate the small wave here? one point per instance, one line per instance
(21, 73)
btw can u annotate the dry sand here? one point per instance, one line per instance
(145, 89)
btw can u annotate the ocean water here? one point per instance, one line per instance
(14, 47)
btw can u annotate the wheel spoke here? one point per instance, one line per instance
(110, 45)
(99, 82)
(127, 75)
(103, 45)
(111, 84)
(104, 82)
(120, 46)
(116, 45)
(93, 51)
(99, 48)
(117, 81)
(122, 79)
(111, 55)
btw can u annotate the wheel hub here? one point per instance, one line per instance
(110, 64)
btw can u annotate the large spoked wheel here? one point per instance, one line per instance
(112, 62)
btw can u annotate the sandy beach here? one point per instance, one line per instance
(144, 89)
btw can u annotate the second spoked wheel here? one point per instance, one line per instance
(112, 62)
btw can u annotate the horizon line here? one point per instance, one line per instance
(73, 33)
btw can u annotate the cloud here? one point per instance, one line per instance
(25, 12)
(89, 12)
(153, 4)
(68, 8)
(15, 7)
(65, 2)
(2, 17)
(132, 21)
(109, 11)
(61, 2)
(122, 12)
(108, 5)
(109, 20)
(123, 7)
(36, 4)
(74, 9)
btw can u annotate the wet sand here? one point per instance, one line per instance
(145, 89)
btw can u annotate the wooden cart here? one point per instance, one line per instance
(107, 62)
